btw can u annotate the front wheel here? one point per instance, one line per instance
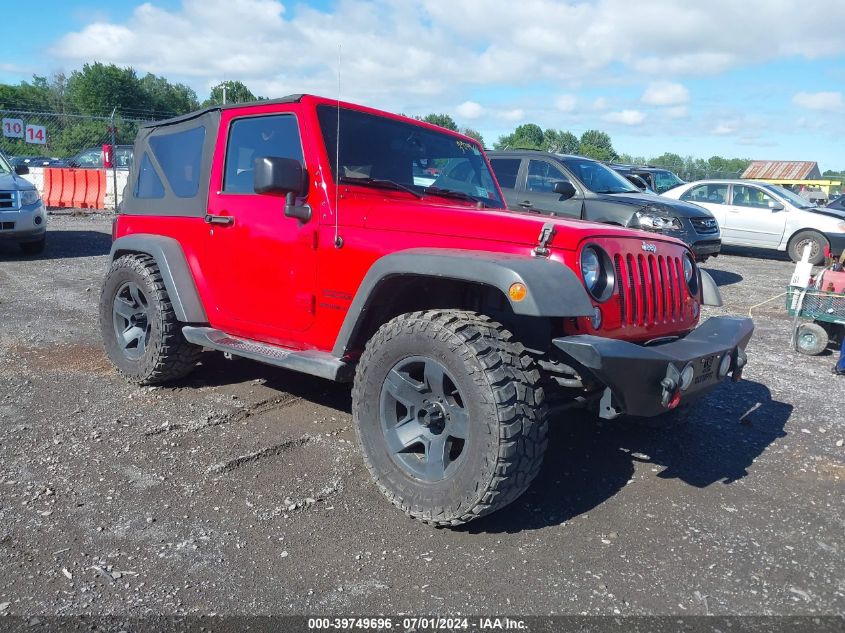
(449, 414)
(141, 334)
(816, 241)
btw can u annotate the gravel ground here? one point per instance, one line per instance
(241, 490)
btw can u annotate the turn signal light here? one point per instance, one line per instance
(517, 291)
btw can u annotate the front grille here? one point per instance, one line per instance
(705, 226)
(651, 288)
(8, 199)
(7, 226)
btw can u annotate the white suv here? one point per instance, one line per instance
(23, 216)
(763, 215)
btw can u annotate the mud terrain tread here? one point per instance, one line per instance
(512, 375)
(173, 356)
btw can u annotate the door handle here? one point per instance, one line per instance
(526, 203)
(223, 220)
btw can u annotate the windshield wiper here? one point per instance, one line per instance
(380, 184)
(451, 193)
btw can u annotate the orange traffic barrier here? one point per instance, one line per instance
(81, 188)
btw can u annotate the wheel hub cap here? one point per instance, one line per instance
(423, 418)
(131, 319)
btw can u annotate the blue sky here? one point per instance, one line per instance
(757, 79)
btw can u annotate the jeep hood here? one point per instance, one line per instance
(471, 227)
(640, 200)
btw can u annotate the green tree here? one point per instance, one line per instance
(468, 131)
(166, 98)
(98, 88)
(236, 92)
(443, 120)
(560, 141)
(526, 136)
(596, 144)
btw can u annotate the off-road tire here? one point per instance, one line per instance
(811, 339)
(168, 356)
(796, 246)
(499, 383)
(34, 248)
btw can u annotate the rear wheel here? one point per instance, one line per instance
(141, 334)
(816, 241)
(450, 415)
(811, 339)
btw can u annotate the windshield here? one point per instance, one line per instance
(666, 180)
(377, 150)
(5, 168)
(598, 178)
(793, 198)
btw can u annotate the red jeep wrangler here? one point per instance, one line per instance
(326, 238)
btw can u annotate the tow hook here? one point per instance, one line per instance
(671, 387)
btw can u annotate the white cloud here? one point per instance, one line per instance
(819, 100)
(517, 114)
(395, 53)
(677, 112)
(469, 110)
(600, 103)
(625, 117)
(723, 128)
(665, 93)
(566, 103)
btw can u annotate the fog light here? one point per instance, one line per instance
(741, 358)
(725, 365)
(517, 292)
(595, 320)
(686, 377)
(38, 219)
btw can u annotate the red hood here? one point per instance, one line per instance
(433, 217)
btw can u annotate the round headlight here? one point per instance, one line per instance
(590, 268)
(690, 274)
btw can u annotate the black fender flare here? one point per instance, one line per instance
(553, 289)
(710, 293)
(175, 272)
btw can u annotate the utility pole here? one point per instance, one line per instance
(224, 94)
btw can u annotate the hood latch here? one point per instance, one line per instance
(546, 235)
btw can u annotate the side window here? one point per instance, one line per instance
(180, 156)
(543, 175)
(744, 196)
(274, 135)
(506, 170)
(148, 185)
(712, 194)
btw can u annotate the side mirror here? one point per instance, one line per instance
(775, 206)
(564, 188)
(21, 170)
(282, 176)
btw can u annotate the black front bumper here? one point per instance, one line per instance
(635, 375)
(706, 248)
(837, 243)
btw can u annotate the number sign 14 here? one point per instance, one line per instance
(36, 134)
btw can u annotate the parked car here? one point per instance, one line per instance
(32, 161)
(763, 215)
(293, 232)
(92, 158)
(837, 203)
(657, 178)
(23, 216)
(640, 184)
(579, 187)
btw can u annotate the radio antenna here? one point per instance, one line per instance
(338, 240)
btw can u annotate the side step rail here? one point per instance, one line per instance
(312, 362)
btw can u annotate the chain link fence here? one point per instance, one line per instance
(53, 139)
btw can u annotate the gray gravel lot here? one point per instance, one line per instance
(241, 490)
